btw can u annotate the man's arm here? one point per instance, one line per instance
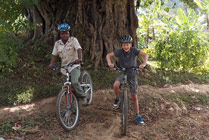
(110, 64)
(54, 58)
(80, 56)
(145, 59)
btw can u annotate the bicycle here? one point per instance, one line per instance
(67, 106)
(124, 103)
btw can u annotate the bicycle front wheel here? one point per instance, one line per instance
(124, 120)
(67, 110)
(86, 83)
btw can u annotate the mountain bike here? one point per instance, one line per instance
(67, 106)
(124, 103)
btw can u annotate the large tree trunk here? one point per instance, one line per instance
(98, 24)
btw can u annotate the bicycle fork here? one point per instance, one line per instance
(68, 97)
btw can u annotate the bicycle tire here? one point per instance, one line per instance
(72, 113)
(124, 118)
(85, 78)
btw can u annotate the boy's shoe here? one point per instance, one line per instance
(116, 104)
(139, 119)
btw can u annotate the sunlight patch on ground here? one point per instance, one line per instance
(28, 107)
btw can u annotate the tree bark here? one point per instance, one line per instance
(97, 24)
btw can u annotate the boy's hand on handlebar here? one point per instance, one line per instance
(142, 66)
(111, 65)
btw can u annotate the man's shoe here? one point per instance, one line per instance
(84, 101)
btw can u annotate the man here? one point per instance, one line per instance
(69, 50)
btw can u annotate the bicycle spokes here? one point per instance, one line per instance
(67, 110)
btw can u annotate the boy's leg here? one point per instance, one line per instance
(116, 90)
(75, 74)
(135, 101)
(116, 86)
(134, 90)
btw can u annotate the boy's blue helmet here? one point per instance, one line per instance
(63, 27)
(126, 39)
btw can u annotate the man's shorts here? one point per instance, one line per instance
(132, 81)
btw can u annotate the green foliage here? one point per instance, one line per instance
(150, 51)
(29, 4)
(12, 17)
(13, 92)
(178, 42)
(9, 46)
(103, 78)
(155, 17)
(190, 3)
(185, 46)
(26, 96)
(204, 4)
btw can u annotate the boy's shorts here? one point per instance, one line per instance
(132, 81)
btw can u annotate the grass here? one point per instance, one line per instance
(26, 122)
(203, 98)
(32, 80)
(158, 77)
(188, 98)
(28, 88)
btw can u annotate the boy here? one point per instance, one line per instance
(69, 50)
(127, 56)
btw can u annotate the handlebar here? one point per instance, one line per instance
(67, 65)
(124, 69)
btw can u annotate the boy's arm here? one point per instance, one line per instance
(54, 58)
(145, 59)
(110, 64)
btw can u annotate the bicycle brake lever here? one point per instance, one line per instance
(82, 63)
(54, 67)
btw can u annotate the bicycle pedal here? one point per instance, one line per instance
(115, 107)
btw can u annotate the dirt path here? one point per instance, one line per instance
(165, 117)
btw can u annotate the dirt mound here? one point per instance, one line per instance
(172, 112)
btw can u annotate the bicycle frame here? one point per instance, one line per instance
(67, 104)
(124, 84)
(124, 98)
(67, 85)
(124, 103)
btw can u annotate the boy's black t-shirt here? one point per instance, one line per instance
(128, 60)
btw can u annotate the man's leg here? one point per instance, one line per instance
(75, 74)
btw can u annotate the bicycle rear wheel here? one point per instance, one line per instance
(124, 120)
(67, 116)
(86, 83)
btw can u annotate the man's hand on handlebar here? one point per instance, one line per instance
(50, 66)
(78, 61)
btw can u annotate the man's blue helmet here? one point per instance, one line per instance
(63, 27)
